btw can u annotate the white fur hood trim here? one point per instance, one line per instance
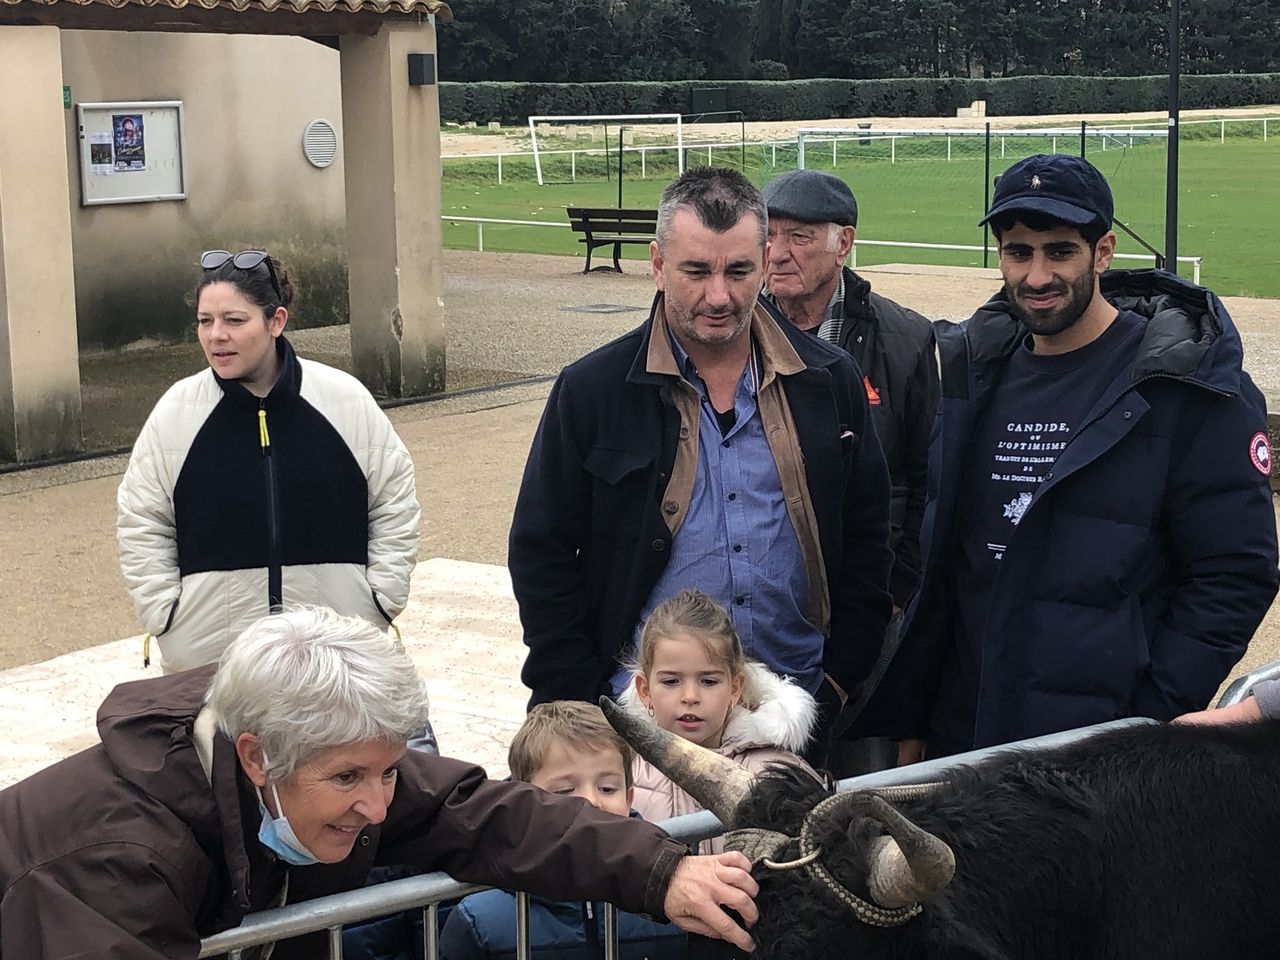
(774, 711)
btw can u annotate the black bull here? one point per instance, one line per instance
(1147, 843)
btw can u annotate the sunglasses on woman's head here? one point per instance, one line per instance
(245, 260)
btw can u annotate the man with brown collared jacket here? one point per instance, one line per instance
(715, 447)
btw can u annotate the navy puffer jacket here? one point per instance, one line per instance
(1146, 559)
(483, 927)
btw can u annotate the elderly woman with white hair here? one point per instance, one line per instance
(284, 776)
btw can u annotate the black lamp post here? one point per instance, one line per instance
(1171, 175)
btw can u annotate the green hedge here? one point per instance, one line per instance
(513, 103)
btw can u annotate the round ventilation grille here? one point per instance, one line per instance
(320, 143)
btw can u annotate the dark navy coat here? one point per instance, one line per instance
(483, 927)
(588, 538)
(1146, 559)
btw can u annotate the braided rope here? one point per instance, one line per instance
(868, 913)
(761, 846)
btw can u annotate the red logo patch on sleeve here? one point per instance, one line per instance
(1260, 453)
(873, 395)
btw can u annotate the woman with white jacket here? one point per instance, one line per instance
(693, 679)
(262, 482)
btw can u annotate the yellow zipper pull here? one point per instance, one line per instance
(399, 639)
(146, 651)
(264, 438)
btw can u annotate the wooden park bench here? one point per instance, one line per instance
(611, 227)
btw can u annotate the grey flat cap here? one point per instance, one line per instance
(811, 197)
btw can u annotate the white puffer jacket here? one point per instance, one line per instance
(231, 503)
(771, 723)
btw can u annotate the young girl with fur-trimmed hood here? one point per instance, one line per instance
(693, 679)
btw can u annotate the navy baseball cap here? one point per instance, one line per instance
(1057, 185)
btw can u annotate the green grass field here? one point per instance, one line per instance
(1229, 203)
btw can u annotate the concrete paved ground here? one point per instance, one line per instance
(61, 592)
(460, 629)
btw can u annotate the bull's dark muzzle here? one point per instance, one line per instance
(905, 868)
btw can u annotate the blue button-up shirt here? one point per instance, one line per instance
(737, 544)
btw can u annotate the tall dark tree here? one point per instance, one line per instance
(662, 40)
(776, 25)
(478, 44)
(584, 40)
(870, 39)
(1125, 38)
(820, 43)
(931, 31)
(1230, 37)
(985, 37)
(725, 32)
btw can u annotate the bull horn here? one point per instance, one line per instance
(714, 781)
(910, 865)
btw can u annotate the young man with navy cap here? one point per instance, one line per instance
(1100, 535)
(813, 218)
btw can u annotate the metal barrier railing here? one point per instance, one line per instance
(1242, 686)
(426, 892)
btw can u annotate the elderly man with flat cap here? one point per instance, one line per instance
(812, 221)
(1100, 535)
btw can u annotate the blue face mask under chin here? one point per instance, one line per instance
(276, 833)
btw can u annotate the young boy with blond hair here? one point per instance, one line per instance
(564, 747)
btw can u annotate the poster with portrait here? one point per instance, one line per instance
(128, 141)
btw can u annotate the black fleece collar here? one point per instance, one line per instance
(1189, 334)
(287, 386)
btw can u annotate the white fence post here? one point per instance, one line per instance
(1055, 145)
(643, 151)
(1002, 148)
(573, 165)
(775, 149)
(833, 152)
(708, 154)
(1222, 132)
(480, 237)
(499, 169)
(948, 149)
(893, 149)
(1264, 129)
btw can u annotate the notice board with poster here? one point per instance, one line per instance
(131, 152)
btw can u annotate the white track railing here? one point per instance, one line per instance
(853, 256)
(690, 149)
(837, 135)
(481, 221)
(1110, 136)
(1221, 124)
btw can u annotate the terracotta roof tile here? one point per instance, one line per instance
(437, 7)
